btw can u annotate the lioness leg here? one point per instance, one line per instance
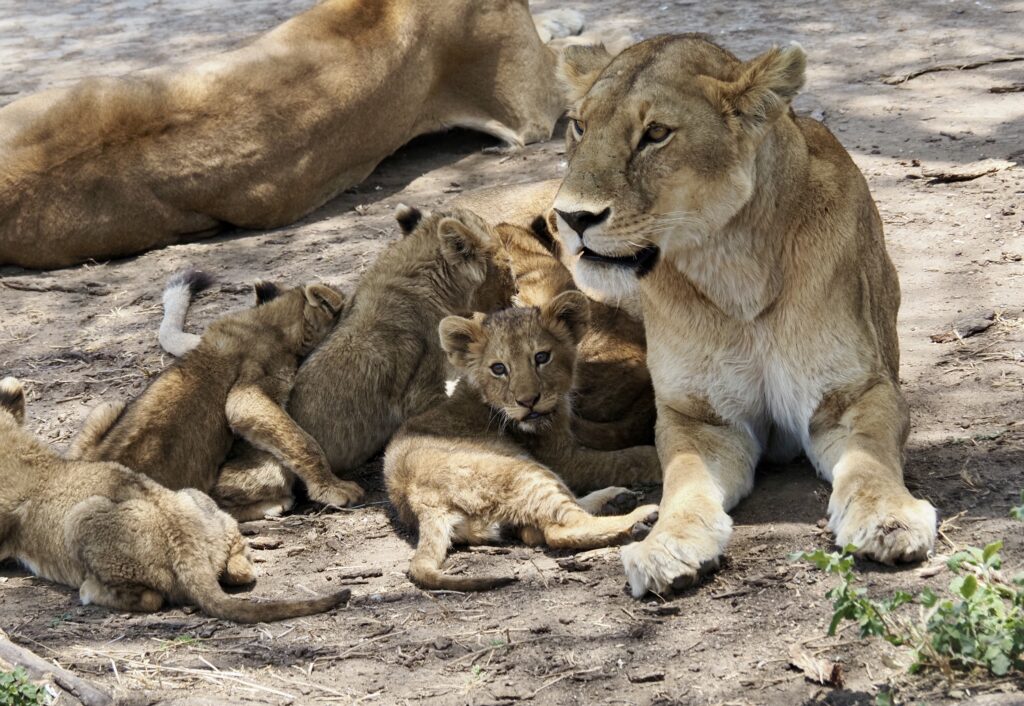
(260, 421)
(708, 468)
(857, 443)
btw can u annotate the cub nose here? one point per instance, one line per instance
(579, 221)
(530, 402)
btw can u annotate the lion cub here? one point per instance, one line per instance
(234, 382)
(489, 454)
(124, 540)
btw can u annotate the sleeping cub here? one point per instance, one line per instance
(489, 454)
(124, 540)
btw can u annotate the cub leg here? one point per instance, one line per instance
(253, 485)
(587, 469)
(708, 468)
(436, 531)
(856, 443)
(259, 420)
(129, 597)
(221, 531)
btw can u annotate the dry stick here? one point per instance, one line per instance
(895, 80)
(37, 666)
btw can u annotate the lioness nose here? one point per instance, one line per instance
(530, 402)
(579, 221)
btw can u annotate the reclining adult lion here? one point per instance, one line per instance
(769, 300)
(259, 136)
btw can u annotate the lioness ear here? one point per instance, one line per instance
(462, 244)
(459, 336)
(569, 311)
(12, 398)
(768, 83)
(579, 66)
(325, 297)
(408, 217)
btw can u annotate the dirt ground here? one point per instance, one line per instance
(567, 632)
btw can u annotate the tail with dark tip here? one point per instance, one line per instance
(425, 568)
(177, 297)
(12, 398)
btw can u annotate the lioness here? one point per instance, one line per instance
(124, 540)
(234, 382)
(768, 298)
(488, 455)
(259, 136)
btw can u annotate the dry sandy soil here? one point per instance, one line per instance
(567, 632)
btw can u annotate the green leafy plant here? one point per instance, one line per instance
(17, 690)
(977, 624)
(1018, 512)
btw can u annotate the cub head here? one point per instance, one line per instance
(306, 314)
(521, 360)
(662, 144)
(12, 399)
(455, 248)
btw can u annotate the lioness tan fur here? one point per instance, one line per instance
(122, 539)
(769, 300)
(259, 136)
(234, 382)
(488, 456)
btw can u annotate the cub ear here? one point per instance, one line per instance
(460, 336)
(408, 217)
(12, 398)
(265, 292)
(569, 312)
(464, 243)
(767, 85)
(328, 298)
(579, 66)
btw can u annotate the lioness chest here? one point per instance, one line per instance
(767, 375)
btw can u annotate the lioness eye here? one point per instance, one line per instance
(578, 128)
(654, 134)
(498, 369)
(542, 357)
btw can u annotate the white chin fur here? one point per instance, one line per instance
(608, 283)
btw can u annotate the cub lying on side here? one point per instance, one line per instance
(125, 541)
(488, 455)
(235, 382)
(380, 366)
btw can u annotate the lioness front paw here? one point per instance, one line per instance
(340, 494)
(675, 558)
(889, 530)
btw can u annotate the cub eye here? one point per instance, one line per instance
(654, 134)
(499, 369)
(542, 357)
(578, 128)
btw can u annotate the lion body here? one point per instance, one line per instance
(124, 540)
(768, 298)
(484, 459)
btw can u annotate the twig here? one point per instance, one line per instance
(895, 80)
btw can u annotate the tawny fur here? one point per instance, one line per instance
(769, 303)
(233, 383)
(123, 540)
(259, 136)
(500, 452)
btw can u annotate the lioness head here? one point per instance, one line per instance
(520, 359)
(306, 314)
(663, 146)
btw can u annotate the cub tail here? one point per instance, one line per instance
(425, 568)
(210, 597)
(177, 297)
(12, 398)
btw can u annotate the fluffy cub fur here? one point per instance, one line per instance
(234, 382)
(500, 450)
(124, 540)
(769, 301)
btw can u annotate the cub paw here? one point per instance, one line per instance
(644, 519)
(340, 494)
(676, 558)
(887, 530)
(623, 501)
